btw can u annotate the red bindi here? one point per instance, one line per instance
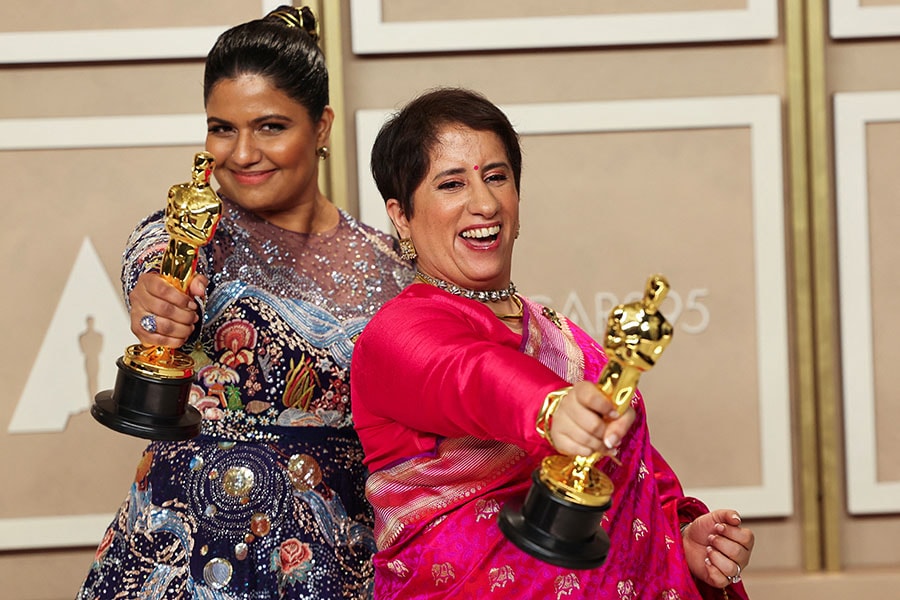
(475, 167)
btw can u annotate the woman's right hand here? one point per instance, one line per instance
(586, 421)
(175, 312)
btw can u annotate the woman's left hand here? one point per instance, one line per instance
(717, 548)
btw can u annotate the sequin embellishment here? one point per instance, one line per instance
(217, 573)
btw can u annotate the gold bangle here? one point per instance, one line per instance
(545, 416)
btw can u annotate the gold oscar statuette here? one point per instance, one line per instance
(149, 399)
(559, 521)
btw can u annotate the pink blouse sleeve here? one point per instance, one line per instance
(436, 368)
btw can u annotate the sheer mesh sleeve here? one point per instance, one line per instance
(144, 251)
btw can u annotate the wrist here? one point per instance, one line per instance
(544, 421)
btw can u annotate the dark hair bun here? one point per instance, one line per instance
(301, 18)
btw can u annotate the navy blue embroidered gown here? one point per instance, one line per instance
(268, 502)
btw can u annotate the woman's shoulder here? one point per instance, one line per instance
(150, 231)
(157, 217)
(356, 223)
(382, 240)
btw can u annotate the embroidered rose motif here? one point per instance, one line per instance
(638, 528)
(293, 555)
(670, 595)
(564, 585)
(626, 590)
(398, 568)
(442, 573)
(486, 509)
(500, 577)
(292, 560)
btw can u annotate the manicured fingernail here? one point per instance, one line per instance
(711, 538)
(611, 441)
(707, 561)
(720, 528)
(736, 517)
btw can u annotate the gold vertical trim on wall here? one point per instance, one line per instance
(804, 377)
(335, 171)
(815, 284)
(824, 286)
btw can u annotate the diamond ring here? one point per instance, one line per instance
(148, 323)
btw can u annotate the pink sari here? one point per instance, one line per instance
(435, 513)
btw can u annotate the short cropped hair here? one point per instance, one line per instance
(402, 151)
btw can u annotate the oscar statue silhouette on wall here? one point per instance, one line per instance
(150, 397)
(559, 521)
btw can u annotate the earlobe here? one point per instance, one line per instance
(397, 216)
(324, 126)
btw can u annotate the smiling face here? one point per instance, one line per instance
(265, 146)
(465, 211)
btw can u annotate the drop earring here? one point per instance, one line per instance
(407, 249)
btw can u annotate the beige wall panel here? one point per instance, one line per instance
(596, 223)
(870, 541)
(57, 198)
(865, 3)
(864, 18)
(862, 66)
(402, 26)
(415, 10)
(884, 220)
(47, 575)
(554, 76)
(866, 194)
(114, 89)
(47, 15)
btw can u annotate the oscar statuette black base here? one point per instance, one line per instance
(147, 407)
(556, 530)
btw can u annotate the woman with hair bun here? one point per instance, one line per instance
(268, 501)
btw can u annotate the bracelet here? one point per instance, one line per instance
(545, 416)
